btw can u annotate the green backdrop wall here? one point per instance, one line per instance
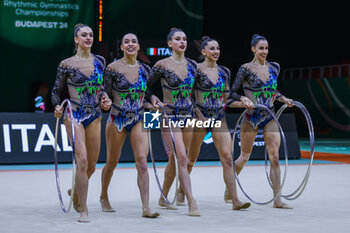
(327, 100)
(34, 37)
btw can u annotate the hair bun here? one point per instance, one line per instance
(255, 36)
(173, 29)
(205, 41)
(205, 38)
(78, 25)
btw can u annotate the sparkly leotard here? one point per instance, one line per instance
(260, 86)
(80, 81)
(126, 86)
(177, 82)
(210, 94)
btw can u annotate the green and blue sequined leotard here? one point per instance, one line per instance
(260, 86)
(209, 94)
(127, 108)
(73, 82)
(177, 81)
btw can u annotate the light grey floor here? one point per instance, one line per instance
(29, 203)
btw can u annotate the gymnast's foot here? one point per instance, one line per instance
(227, 196)
(240, 205)
(106, 206)
(192, 208)
(180, 200)
(281, 205)
(76, 204)
(147, 213)
(162, 203)
(84, 217)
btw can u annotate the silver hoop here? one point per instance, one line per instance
(295, 194)
(285, 150)
(64, 209)
(155, 168)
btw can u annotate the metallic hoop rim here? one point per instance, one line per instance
(59, 193)
(286, 156)
(155, 168)
(295, 194)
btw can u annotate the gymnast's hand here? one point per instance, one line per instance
(106, 102)
(58, 111)
(247, 103)
(156, 102)
(287, 101)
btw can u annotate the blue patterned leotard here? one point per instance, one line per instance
(210, 95)
(127, 108)
(260, 86)
(83, 91)
(177, 82)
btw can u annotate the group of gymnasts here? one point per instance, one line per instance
(190, 90)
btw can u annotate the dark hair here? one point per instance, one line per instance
(172, 32)
(205, 41)
(256, 38)
(128, 34)
(77, 27)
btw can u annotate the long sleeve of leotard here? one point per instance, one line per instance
(60, 88)
(155, 74)
(237, 83)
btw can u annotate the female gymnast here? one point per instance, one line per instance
(211, 90)
(80, 79)
(176, 74)
(259, 81)
(125, 82)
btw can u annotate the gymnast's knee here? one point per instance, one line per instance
(82, 165)
(191, 162)
(110, 165)
(91, 169)
(243, 159)
(227, 159)
(182, 160)
(141, 165)
(274, 161)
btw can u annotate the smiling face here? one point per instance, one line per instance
(212, 50)
(130, 45)
(84, 38)
(178, 42)
(260, 50)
